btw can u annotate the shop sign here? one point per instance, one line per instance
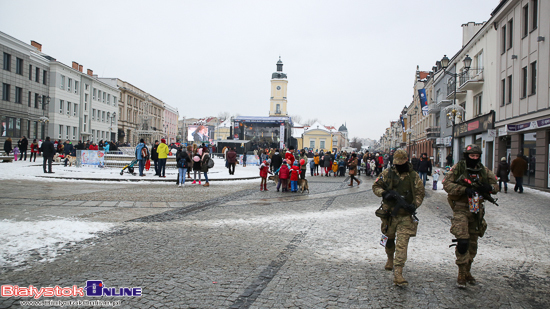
(477, 125)
(529, 125)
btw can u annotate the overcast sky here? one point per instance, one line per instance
(348, 62)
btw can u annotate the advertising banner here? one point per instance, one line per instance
(90, 158)
(423, 101)
(198, 133)
(402, 123)
(281, 135)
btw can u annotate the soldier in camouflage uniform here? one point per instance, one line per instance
(466, 179)
(405, 181)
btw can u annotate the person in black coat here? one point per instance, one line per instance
(424, 168)
(415, 162)
(503, 171)
(7, 146)
(48, 151)
(155, 157)
(23, 148)
(276, 160)
(327, 163)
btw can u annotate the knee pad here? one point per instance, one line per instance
(462, 245)
(390, 244)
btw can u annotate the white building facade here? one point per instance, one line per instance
(170, 124)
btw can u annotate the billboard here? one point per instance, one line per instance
(199, 133)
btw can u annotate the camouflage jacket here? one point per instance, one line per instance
(457, 191)
(384, 177)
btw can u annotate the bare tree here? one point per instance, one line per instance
(356, 143)
(223, 116)
(311, 121)
(296, 118)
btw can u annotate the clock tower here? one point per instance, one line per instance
(278, 92)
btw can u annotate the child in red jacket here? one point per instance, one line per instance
(264, 169)
(294, 173)
(284, 174)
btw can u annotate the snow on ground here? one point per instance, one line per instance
(20, 239)
(26, 170)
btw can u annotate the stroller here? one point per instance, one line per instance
(129, 167)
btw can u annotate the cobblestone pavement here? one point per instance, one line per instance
(232, 246)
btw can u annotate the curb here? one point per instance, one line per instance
(145, 180)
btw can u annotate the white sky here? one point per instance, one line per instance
(346, 61)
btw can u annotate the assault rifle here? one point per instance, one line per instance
(400, 201)
(476, 185)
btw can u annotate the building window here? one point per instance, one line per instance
(19, 66)
(103, 116)
(525, 24)
(29, 99)
(86, 97)
(322, 144)
(43, 102)
(278, 109)
(35, 125)
(69, 84)
(108, 99)
(94, 94)
(37, 76)
(503, 39)
(75, 109)
(7, 62)
(75, 87)
(74, 133)
(5, 92)
(311, 144)
(503, 92)
(509, 89)
(30, 71)
(85, 106)
(114, 101)
(18, 94)
(93, 113)
(85, 122)
(93, 135)
(86, 87)
(534, 77)
(44, 77)
(68, 108)
(534, 14)
(60, 130)
(61, 106)
(524, 82)
(477, 104)
(12, 127)
(104, 96)
(99, 95)
(510, 33)
(62, 86)
(67, 131)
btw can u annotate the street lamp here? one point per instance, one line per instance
(44, 119)
(113, 115)
(408, 117)
(455, 108)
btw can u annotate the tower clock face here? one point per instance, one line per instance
(278, 87)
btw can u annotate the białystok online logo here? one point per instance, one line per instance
(93, 288)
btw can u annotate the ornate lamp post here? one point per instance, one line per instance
(455, 110)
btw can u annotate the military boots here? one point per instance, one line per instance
(469, 278)
(398, 276)
(461, 280)
(389, 263)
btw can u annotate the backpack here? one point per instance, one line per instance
(210, 163)
(182, 163)
(145, 153)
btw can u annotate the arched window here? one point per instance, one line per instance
(278, 109)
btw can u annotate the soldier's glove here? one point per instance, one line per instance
(387, 195)
(470, 192)
(485, 188)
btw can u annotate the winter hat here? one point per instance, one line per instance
(503, 159)
(162, 140)
(284, 161)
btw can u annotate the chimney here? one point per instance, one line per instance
(37, 45)
(80, 68)
(75, 65)
(90, 72)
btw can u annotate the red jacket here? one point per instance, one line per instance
(263, 170)
(289, 158)
(92, 147)
(34, 148)
(284, 172)
(294, 173)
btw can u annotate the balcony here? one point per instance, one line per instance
(460, 95)
(434, 108)
(433, 132)
(472, 80)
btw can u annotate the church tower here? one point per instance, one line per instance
(278, 92)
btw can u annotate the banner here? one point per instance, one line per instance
(93, 158)
(281, 136)
(402, 123)
(423, 101)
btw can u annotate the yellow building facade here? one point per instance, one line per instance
(316, 137)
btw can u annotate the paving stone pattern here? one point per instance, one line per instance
(233, 246)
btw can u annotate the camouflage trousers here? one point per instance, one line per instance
(399, 229)
(463, 226)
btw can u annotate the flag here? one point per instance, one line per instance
(423, 101)
(402, 123)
